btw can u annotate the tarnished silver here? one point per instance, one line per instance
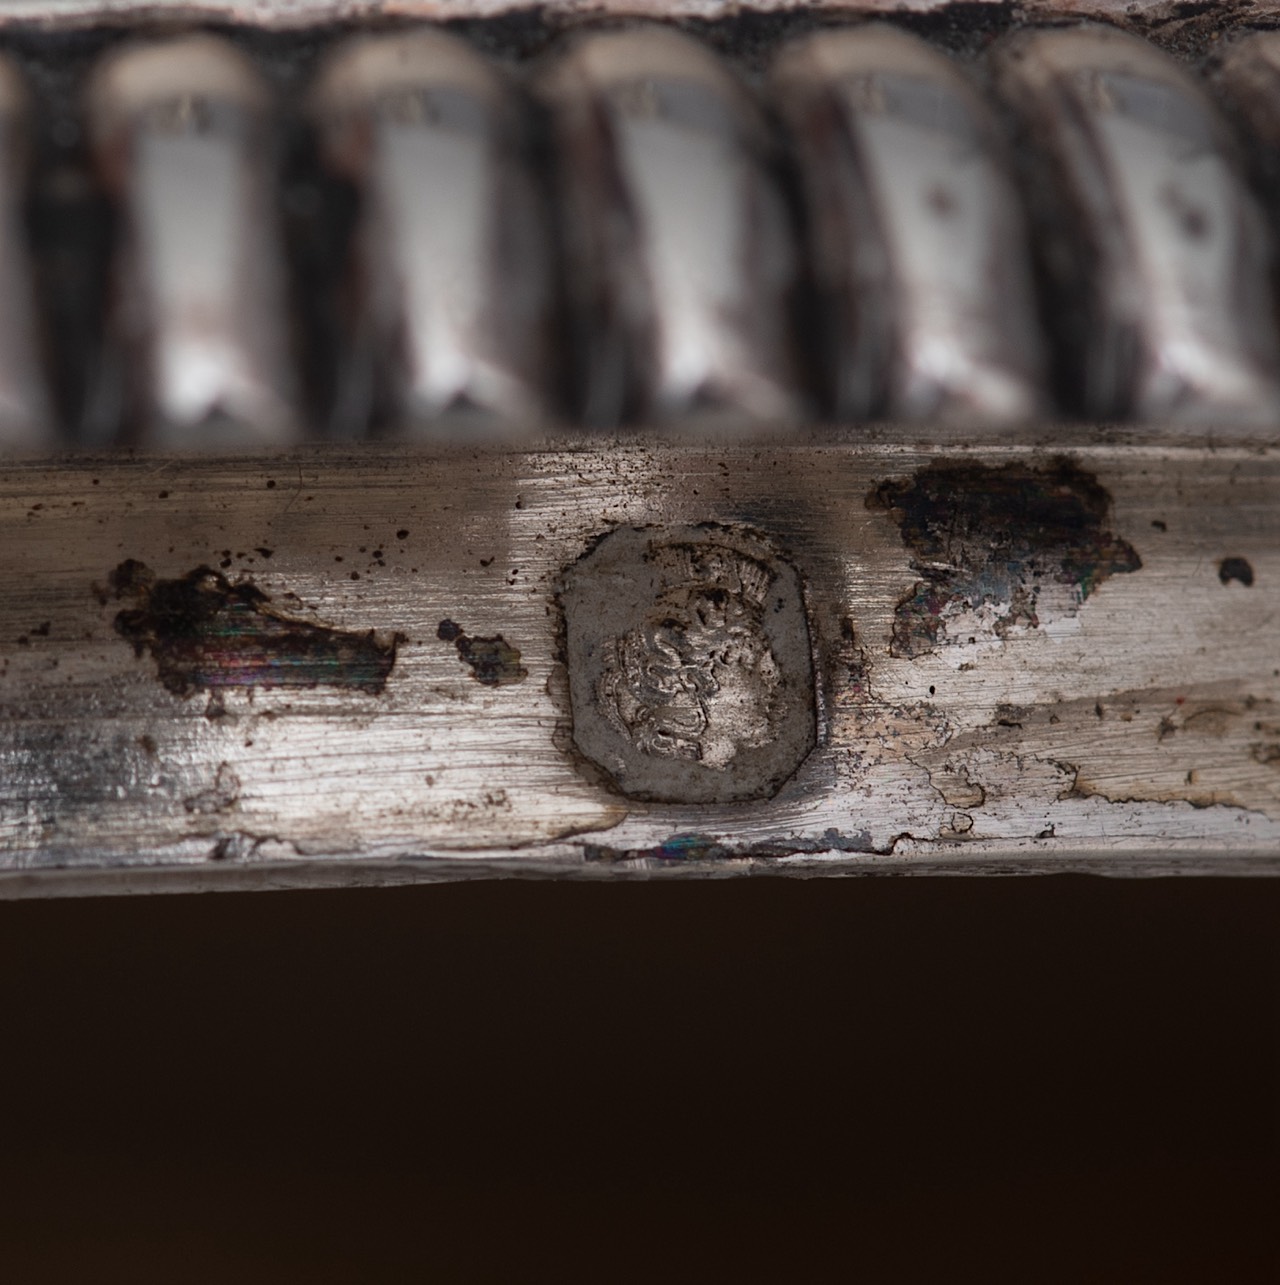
(181, 132)
(453, 283)
(286, 14)
(916, 231)
(1153, 240)
(26, 414)
(1023, 661)
(935, 647)
(679, 249)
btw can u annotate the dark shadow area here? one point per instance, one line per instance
(892, 1080)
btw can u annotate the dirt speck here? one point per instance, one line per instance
(494, 661)
(1238, 569)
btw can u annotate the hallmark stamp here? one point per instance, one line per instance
(690, 666)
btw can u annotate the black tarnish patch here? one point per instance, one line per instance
(207, 634)
(998, 548)
(1237, 569)
(494, 661)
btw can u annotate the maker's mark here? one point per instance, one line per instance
(689, 664)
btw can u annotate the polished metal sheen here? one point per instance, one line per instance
(182, 139)
(681, 257)
(452, 325)
(1157, 249)
(917, 233)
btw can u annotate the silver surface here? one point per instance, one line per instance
(678, 246)
(1248, 75)
(679, 255)
(285, 14)
(1158, 250)
(453, 287)
(1056, 718)
(182, 140)
(26, 414)
(916, 231)
(1042, 650)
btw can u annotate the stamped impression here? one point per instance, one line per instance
(690, 667)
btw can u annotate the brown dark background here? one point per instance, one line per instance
(1036, 1080)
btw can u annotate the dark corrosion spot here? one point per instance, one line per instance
(702, 847)
(206, 634)
(1238, 569)
(494, 662)
(998, 548)
(131, 577)
(402, 534)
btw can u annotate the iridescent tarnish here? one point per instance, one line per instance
(999, 550)
(26, 414)
(680, 252)
(916, 231)
(206, 634)
(182, 140)
(454, 294)
(1156, 249)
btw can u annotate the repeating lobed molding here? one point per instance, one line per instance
(284, 14)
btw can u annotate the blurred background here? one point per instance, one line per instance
(1034, 1080)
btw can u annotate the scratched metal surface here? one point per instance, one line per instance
(1101, 694)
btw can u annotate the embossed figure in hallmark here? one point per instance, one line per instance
(689, 664)
(699, 680)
